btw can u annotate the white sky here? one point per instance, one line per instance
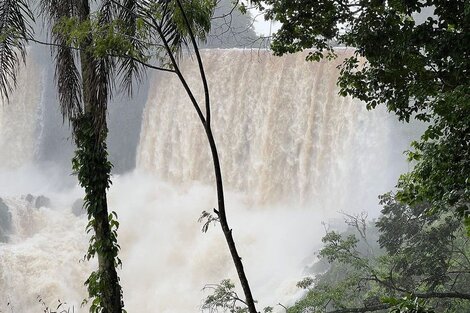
(262, 27)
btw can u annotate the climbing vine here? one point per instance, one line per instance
(93, 169)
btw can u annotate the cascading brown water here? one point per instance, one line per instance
(293, 154)
(283, 132)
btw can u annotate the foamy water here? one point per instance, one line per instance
(167, 259)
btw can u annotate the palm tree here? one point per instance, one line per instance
(84, 82)
(84, 86)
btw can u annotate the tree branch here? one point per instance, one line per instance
(51, 44)
(199, 61)
(371, 308)
(178, 72)
(442, 295)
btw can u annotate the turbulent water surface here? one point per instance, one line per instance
(293, 154)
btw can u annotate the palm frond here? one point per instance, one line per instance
(174, 26)
(55, 10)
(67, 73)
(128, 69)
(161, 15)
(108, 10)
(68, 80)
(15, 29)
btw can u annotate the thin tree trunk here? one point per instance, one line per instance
(93, 172)
(217, 171)
(224, 223)
(206, 122)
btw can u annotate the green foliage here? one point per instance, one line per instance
(131, 36)
(108, 39)
(411, 56)
(407, 304)
(345, 283)
(208, 219)
(90, 163)
(199, 13)
(15, 31)
(60, 307)
(419, 263)
(93, 170)
(223, 299)
(421, 244)
(441, 175)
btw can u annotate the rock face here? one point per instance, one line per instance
(29, 197)
(42, 201)
(5, 221)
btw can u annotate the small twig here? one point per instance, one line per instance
(283, 306)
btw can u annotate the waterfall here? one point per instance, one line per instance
(20, 118)
(283, 132)
(293, 154)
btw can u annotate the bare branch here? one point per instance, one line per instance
(200, 64)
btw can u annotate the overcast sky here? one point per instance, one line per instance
(263, 27)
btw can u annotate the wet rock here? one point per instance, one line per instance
(5, 221)
(29, 197)
(77, 208)
(39, 201)
(42, 201)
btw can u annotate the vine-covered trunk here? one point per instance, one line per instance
(94, 169)
(111, 293)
